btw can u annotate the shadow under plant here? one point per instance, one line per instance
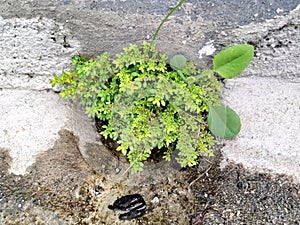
(62, 189)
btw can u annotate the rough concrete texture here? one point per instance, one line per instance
(31, 52)
(268, 99)
(277, 47)
(38, 38)
(35, 46)
(29, 124)
(270, 117)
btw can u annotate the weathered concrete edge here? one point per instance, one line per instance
(271, 29)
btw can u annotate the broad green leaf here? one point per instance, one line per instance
(232, 61)
(223, 121)
(178, 62)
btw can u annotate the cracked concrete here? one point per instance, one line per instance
(34, 47)
(277, 47)
(38, 38)
(268, 99)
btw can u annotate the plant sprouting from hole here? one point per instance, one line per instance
(148, 102)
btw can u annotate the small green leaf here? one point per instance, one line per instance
(232, 61)
(178, 62)
(223, 121)
(206, 73)
(190, 80)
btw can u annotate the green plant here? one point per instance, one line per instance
(148, 103)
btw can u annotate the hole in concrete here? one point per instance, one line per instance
(155, 157)
(65, 43)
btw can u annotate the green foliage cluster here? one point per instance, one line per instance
(147, 103)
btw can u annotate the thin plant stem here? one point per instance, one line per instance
(201, 175)
(165, 19)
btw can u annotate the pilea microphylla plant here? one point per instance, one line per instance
(147, 102)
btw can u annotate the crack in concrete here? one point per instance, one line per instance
(271, 32)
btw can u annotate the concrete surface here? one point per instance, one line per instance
(270, 125)
(267, 98)
(38, 38)
(32, 50)
(30, 122)
(45, 141)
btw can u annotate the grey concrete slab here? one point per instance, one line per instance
(29, 124)
(39, 38)
(277, 46)
(31, 51)
(270, 115)
(44, 140)
(267, 97)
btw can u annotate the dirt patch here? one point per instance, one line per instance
(61, 188)
(236, 196)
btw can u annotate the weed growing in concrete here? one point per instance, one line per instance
(149, 102)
